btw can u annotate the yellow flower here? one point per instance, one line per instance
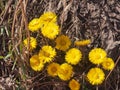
(97, 55)
(108, 64)
(48, 17)
(47, 53)
(74, 85)
(50, 30)
(95, 76)
(35, 63)
(65, 71)
(30, 44)
(73, 56)
(52, 69)
(63, 42)
(82, 43)
(34, 24)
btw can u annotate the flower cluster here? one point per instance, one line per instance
(46, 57)
(99, 57)
(47, 23)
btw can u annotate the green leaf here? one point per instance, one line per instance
(6, 57)
(1, 57)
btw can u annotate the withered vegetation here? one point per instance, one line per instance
(97, 20)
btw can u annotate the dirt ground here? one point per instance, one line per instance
(97, 20)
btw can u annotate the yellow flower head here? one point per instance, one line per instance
(47, 53)
(50, 30)
(48, 17)
(65, 71)
(82, 43)
(35, 63)
(52, 69)
(30, 44)
(74, 85)
(108, 64)
(97, 55)
(73, 56)
(63, 42)
(95, 76)
(34, 24)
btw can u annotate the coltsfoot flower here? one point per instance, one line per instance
(65, 71)
(52, 69)
(35, 63)
(31, 44)
(48, 17)
(108, 64)
(97, 55)
(73, 56)
(95, 76)
(51, 30)
(47, 53)
(82, 43)
(62, 42)
(74, 85)
(35, 24)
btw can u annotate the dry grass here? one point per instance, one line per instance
(98, 20)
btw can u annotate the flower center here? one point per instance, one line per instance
(98, 56)
(73, 56)
(36, 63)
(63, 42)
(97, 76)
(108, 64)
(46, 54)
(48, 19)
(54, 69)
(74, 85)
(65, 72)
(52, 31)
